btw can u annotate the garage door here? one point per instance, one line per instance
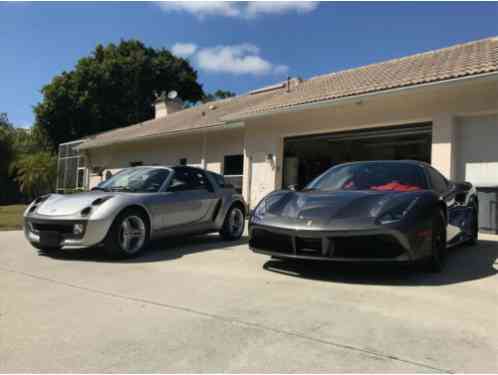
(306, 157)
(477, 150)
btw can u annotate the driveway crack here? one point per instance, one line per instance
(230, 320)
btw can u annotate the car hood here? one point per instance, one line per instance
(69, 204)
(323, 208)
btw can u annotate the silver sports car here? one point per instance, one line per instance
(137, 204)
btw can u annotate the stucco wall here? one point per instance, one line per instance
(168, 151)
(265, 135)
(476, 139)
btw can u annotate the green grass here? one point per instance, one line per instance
(11, 217)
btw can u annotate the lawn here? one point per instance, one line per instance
(11, 217)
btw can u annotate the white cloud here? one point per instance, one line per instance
(255, 8)
(184, 49)
(236, 59)
(252, 9)
(202, 9)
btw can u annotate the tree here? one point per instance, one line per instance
(217, 95)
(36, 173)
(9, 192)
(17, 145)
(111, 88)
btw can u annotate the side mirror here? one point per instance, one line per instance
(461, 189)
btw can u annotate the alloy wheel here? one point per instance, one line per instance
(236, 222)
(132, 234)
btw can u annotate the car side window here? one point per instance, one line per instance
(220, 180)
(201, 181)
(188, 179)
(438, 182)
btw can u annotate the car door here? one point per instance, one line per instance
(191, 198)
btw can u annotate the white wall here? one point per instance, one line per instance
(477, 145)
(168, 151)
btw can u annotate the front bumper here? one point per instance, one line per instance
(375, 244)
(95, 232)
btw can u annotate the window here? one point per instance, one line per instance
(438, 182)
(189, 179)
(233, 169)
(379, 176)
(137, 180)
(81, 178)
(233, 165)
(220, 180)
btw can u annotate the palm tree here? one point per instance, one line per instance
(36, 173)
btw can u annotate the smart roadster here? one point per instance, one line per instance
(368, 211)
(137, 204)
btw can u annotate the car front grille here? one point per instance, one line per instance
(53, 227)
(309, 246)
(378, 246)
(270, 241)
(350, 247)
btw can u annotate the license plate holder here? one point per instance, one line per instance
(50, 238)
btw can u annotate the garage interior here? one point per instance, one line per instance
(306, 157)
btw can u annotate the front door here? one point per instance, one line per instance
(189, 199)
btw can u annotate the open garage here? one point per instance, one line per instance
(306, 157)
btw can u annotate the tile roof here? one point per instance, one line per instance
(202, 116)
(461, 60)
(473, 58)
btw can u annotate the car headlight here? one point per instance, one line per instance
(35, 204)
(397, 213)
(259, 212)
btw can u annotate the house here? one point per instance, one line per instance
(439, 106)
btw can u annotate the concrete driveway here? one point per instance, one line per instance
(202, 305)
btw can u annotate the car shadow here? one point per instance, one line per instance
(159, 250)
(464, 263)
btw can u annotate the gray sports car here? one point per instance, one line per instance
(368, 211)
(137, 204)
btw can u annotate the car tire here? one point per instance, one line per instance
(438, 254)
(475, 228)
(128, 235)
(234, 224)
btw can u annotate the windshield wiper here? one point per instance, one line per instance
(99, 188)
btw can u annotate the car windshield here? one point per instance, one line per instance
(378, 176)
(137, 180)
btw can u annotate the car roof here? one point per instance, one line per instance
(172, 168)
(150, 167)
(404, 161)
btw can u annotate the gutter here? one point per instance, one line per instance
(493, 76)
(165, 134)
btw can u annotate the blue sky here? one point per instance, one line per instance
(237, 47)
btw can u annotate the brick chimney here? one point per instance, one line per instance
(164, 106)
